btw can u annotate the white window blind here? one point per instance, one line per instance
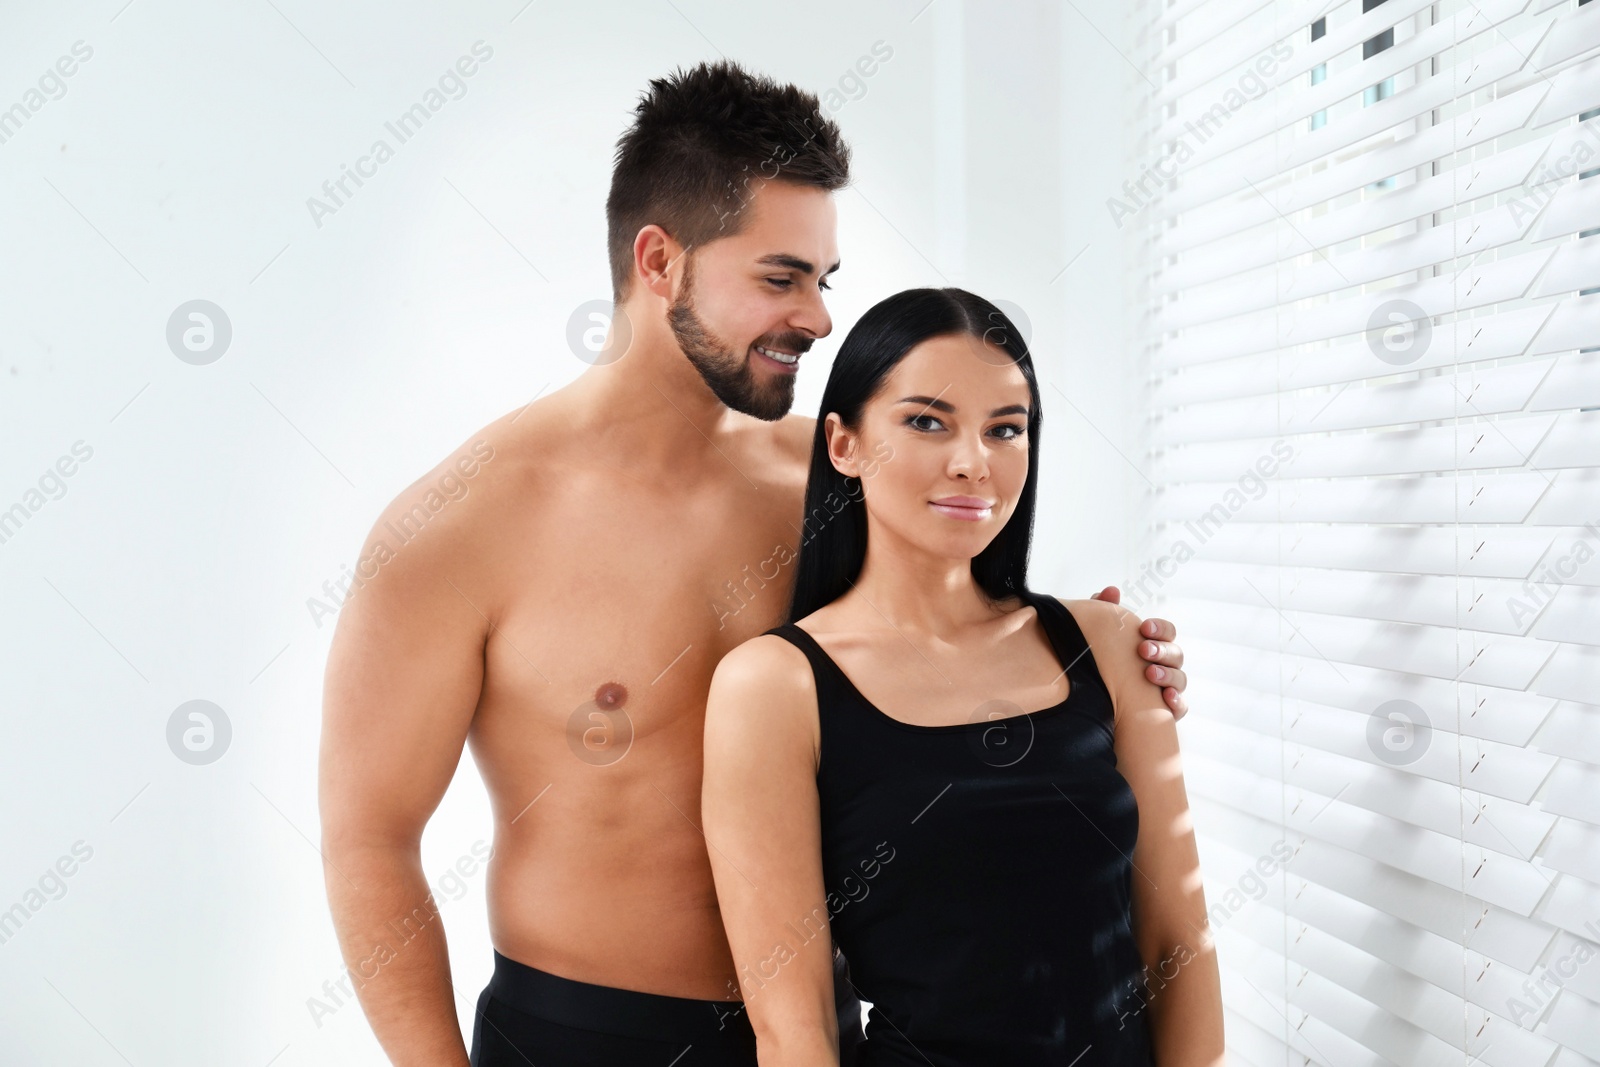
(1368, 255)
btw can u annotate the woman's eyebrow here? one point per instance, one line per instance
(946, 406)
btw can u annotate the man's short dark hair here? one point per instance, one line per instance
(697, 138)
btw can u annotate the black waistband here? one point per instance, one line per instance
(612, 1011)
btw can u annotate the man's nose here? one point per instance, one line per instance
(813, 317)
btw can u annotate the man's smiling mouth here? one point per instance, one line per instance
(781, 357)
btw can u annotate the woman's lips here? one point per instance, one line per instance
(966, 508)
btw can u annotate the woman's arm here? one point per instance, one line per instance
(1169, 909)
(1166, 658)
(760, 809)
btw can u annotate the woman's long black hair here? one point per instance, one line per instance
(833, 540)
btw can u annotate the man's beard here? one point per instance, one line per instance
(728, 374)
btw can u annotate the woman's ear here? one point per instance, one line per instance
(841, 445)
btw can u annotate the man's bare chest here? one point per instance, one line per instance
(614, 619)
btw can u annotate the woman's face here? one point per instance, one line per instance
(942, 450)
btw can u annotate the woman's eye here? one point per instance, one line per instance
(1016, 432)
(915, 420)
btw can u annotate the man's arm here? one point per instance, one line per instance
(402, 684)
(1164, 656)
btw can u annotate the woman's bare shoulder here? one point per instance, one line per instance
(1113, 635)
(767, 660)
(761, 712)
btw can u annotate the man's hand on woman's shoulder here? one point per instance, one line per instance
(1158, 647)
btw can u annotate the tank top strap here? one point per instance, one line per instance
(1064, 632)
(832, 685)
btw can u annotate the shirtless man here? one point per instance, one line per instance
(562, 614)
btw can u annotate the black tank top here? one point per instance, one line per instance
(978, 874)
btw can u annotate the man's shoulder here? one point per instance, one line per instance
(451, 501)
(796, 434)
(780, 450)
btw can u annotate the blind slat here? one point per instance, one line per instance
(1434, 652)
(1490, 605)
(1508, 333)
(1477, 285)
(1471, 391)
(1470, 445)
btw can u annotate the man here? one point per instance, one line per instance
(564, 616)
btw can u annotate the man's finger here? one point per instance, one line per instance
(1163, 652)
(1175, 703)
(1170, 677)
(1158, 629)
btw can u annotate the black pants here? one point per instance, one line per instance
(527, 1016)
(851, 1036)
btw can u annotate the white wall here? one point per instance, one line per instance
(178, 562)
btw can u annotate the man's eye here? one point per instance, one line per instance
(781, 283)
(824, 285)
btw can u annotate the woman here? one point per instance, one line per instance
(967, 785)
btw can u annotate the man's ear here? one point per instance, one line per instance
(842, 445)
(655, 253)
